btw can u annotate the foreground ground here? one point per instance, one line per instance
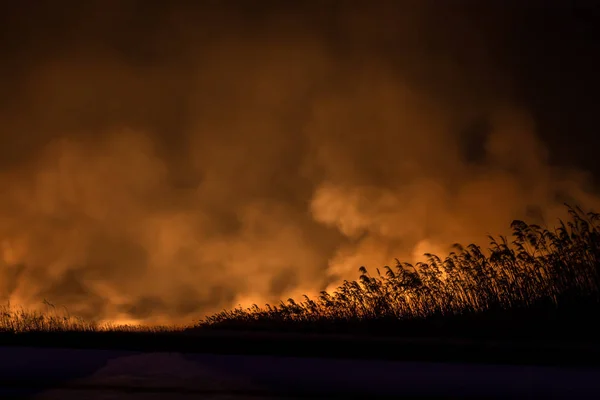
(531, 351)
(55, 373)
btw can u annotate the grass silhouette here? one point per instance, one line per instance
(541, 278)
(20, 320)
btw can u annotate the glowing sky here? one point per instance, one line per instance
(160, 161)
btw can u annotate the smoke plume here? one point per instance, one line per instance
(158, 163)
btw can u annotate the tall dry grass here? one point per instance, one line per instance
(17, 319)
(558, 268)
(20, 320)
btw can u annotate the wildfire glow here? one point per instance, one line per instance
(219, 161)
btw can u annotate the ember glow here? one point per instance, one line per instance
(156, 168)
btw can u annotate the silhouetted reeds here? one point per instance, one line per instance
(540, 271)
(20, 320)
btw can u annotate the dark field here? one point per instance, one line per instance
(538, 351)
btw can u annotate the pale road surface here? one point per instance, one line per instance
(53, 374)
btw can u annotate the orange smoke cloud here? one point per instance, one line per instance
(210, 164)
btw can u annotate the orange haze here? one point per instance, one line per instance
(160, 167)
